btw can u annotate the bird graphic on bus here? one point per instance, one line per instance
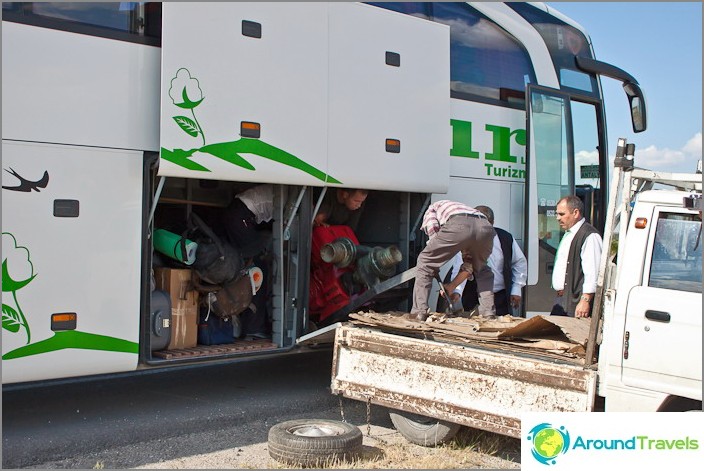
(27, 185)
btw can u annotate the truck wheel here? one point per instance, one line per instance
(313, 442)
(423, 430)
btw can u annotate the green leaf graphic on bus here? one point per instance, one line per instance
(17, 272)
(10, 319)
(187, 125)
(185, 92)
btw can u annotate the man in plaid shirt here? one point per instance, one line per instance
(453, 227)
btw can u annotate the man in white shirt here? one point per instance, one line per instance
(510, 269)
(576, 262)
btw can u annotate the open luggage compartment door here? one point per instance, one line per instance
(310, 94)
(325, 335)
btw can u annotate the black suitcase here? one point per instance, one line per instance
(160, 320)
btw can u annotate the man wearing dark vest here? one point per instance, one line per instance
(510, 272)
(576, 262)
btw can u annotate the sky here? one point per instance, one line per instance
(660, 44)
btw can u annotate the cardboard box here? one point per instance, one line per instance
(184, 305)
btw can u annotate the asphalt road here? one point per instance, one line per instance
(72, 423)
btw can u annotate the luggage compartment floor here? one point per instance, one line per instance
(209, 350)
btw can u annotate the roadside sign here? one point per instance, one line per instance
(589, 171)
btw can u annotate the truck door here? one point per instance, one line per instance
(663, 330)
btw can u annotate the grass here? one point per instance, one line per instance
(468, 450)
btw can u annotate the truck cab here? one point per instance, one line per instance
(653, 307)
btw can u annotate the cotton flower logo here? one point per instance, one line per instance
(185, 93)
(17, 272)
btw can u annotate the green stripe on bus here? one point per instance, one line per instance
(230, 152)
(73, 339)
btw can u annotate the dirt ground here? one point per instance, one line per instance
(383, 448)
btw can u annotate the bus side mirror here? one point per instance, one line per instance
(636, 100)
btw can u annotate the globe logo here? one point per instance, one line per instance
(548, 442)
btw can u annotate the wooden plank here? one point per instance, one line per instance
(239, 346)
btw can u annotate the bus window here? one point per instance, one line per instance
(128, 21)
(589, 180)
(564, 43)
(485, 61)
(419, 9)
(551, 163)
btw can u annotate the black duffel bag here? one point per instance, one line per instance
(217, 261)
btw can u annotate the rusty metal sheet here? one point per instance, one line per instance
(468, 385)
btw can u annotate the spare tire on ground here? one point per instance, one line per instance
(421, 430)
(313, 442)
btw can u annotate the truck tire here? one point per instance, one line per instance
(422, 430)
(313, 442)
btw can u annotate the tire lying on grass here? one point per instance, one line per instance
(423, 430)
(313, 442)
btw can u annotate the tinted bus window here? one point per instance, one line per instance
(564, 43)
(485, 61)
(126, 21)
(419, 9)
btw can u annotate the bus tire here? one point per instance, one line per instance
(421, 430)
(313, 442)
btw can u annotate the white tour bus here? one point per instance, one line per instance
(121, 120)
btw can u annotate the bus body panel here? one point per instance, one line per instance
(489, 147)
(77, 89)
(324, 97)
(278, 81)
(371, 101)
(85, 261)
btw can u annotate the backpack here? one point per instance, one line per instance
(228, 299)
(217, 261)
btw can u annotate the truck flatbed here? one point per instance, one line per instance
(483, 383)
(549, 337)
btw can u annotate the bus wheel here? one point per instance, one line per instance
(313, 442)
(423, 430)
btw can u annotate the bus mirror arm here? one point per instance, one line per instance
(636, 98)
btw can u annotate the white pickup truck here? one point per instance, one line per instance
(643, 351)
